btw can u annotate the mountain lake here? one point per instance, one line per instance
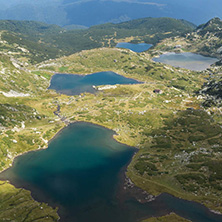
(186, 60)
(71, 84)
(140, 47)
(83, 173)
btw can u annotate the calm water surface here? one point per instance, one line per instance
(71, 84)
(186, 60)
(141, 47)
(82, 172)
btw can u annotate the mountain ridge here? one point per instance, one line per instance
(52, 41)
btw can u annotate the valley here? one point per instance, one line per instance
(166, 117)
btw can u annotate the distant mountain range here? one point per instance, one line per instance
(92, 12)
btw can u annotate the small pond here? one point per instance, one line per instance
(140, 47)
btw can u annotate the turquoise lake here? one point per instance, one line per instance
(83, 173)
(186, 60)
(71, 84)
(140, 47)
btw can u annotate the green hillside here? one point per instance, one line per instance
(50, 41)
(205, 39)
(149, 30)
(213, 26)
(30, 29)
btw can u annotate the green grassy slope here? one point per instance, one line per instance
(149, 30)
(30, 29)
(15, 76)
(50, 41)
(18, 205)
(205, 39)
(169, 218)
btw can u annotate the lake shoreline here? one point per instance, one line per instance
(122, 174)
(41, 198)
(186, 60)
(134, 47)
(76, 84)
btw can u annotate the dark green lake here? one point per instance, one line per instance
(71, 84)
(140, 47)
(82, 172)
(186, 60)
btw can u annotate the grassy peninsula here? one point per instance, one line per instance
(172, 217)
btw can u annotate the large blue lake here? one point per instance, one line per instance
(186, 60)
(71, 84)
(140, 47)
(82, 172)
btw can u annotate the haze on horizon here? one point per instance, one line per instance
(92, 12)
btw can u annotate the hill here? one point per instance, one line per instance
(28, 39)
(30, 29)
(210, 34)
(150, 30)
(44, 41)
(205, 39)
